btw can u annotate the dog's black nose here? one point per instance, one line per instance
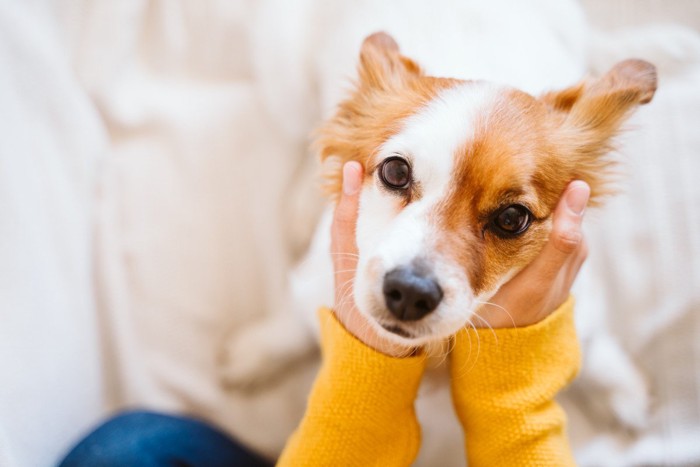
(410, 295)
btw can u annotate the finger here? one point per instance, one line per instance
(566, 237)
(343, 246)
(345, 214)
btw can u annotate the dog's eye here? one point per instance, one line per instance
(395, 173)
(511, 220)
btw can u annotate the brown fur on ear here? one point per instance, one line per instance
(589, 115)
(389, 89)
(381, 66)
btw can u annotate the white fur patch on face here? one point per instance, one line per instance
(390, 235)
(431, 137)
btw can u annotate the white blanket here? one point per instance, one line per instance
(51, 138)
(154, 192)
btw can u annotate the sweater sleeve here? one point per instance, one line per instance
(360, 410)
(503, 387)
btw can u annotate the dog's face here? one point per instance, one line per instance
(461, 179)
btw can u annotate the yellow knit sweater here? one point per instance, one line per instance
(361, 408)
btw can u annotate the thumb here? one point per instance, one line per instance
(566, 235)
(345, 215)
(343, 246)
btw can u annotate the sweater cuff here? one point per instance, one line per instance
(360, 410)
(503, 385)
(534, 361)
(362, 385)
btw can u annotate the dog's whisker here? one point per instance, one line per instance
(467, 326)
(346, 271)
(345, 298)
(352, 255)
(461, 372)
(444, 352)
(478, 346)
(495, 336)
(451, 344)
(342, 286)
(500, 308)
(345, 292)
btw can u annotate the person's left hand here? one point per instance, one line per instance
(544, 284)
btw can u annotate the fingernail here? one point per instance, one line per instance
(351, 178)
(577, 197)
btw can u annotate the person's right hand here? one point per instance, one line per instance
(344, 253)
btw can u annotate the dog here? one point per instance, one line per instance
(461, 179)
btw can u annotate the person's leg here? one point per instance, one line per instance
(147, 439)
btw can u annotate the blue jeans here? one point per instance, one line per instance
(147, 439)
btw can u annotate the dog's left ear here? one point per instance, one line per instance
(360, 124)
(588, 115)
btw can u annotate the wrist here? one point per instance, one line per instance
(513, 360)
(350, 366)
(362, 329)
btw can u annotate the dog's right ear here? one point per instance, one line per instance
(382, 66)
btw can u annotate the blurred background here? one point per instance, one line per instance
(156, 187)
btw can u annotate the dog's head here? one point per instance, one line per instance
(461, 178)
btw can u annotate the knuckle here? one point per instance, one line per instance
(567, 241)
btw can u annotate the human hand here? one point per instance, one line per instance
(543, 285)
(344, 253)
